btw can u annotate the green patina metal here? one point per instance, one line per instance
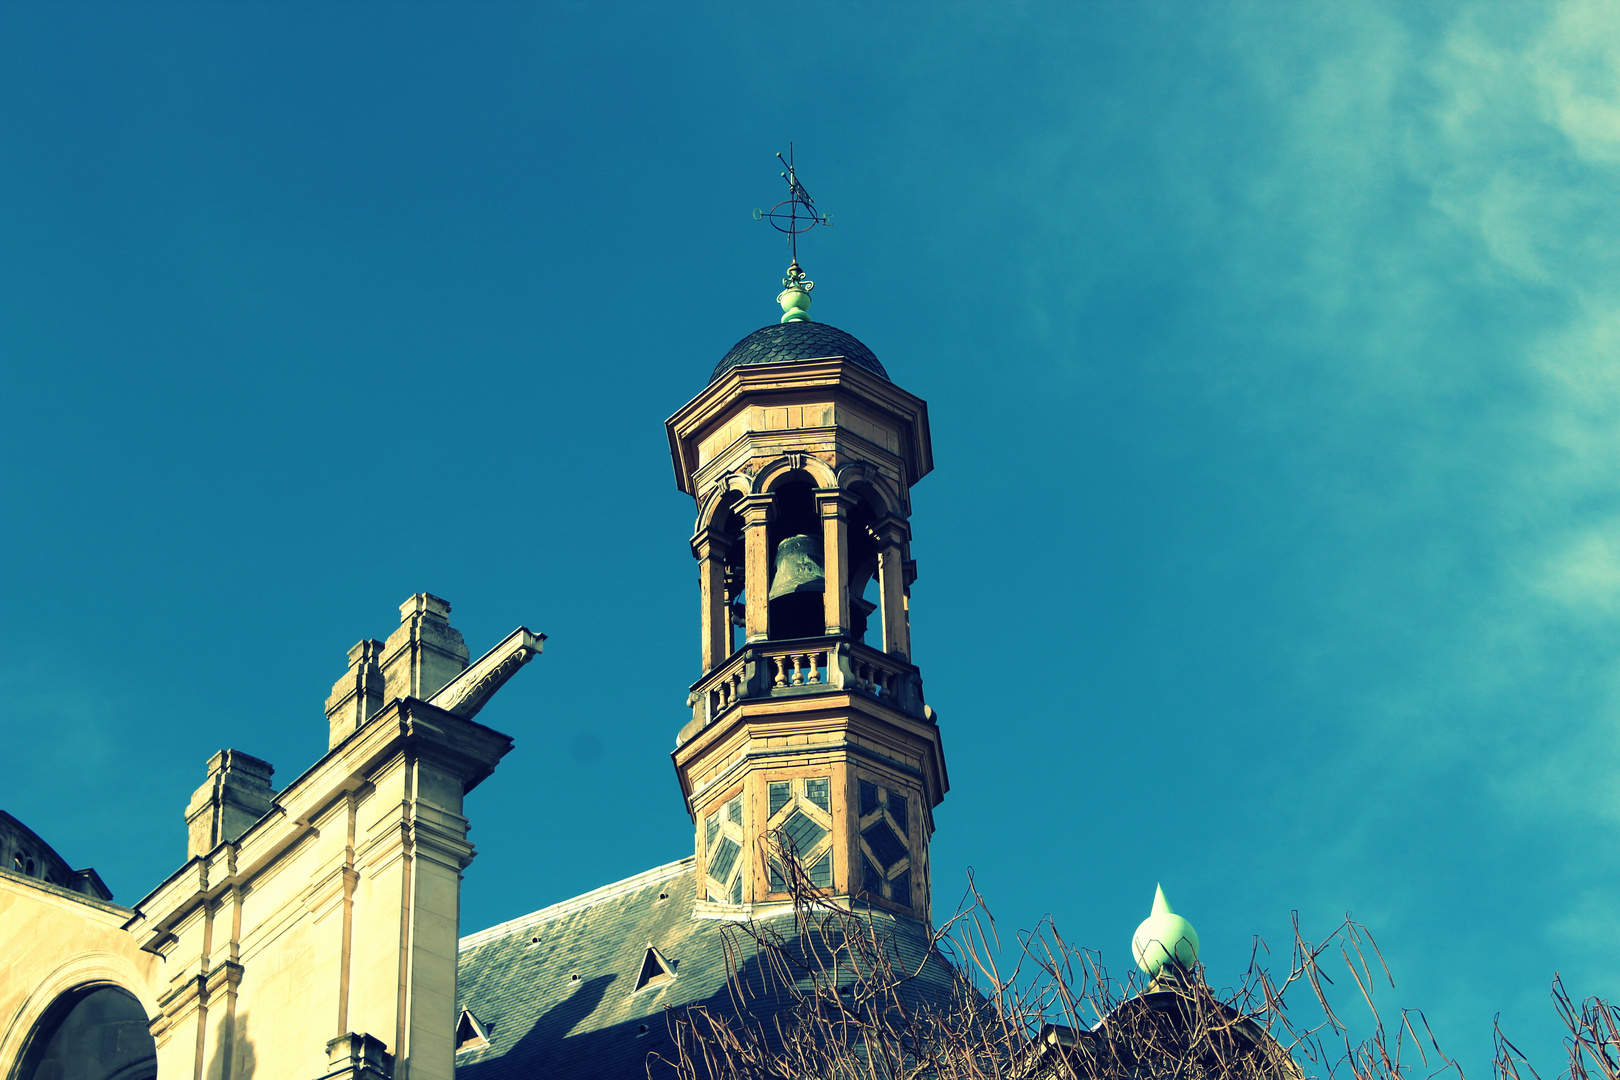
(1164, 936)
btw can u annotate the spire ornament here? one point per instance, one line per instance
(1164, 938)
(794, 215)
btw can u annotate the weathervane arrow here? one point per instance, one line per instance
(794, 215)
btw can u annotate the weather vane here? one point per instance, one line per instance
(794, 215)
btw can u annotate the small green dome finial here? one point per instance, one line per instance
(1164, 936)
(795, 295)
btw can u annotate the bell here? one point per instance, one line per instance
(798, 567)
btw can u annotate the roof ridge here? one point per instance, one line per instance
(583, 900)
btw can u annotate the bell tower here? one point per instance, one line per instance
(808, 722)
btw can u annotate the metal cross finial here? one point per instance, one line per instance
(794, 215)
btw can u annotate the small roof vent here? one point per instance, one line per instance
(470, 1032)
(656, 970)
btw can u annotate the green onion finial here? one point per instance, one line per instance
(1163, 937)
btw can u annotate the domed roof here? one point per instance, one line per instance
(784, 342)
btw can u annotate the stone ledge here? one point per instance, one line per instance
(65, 893)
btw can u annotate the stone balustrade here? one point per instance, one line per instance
(875, 678)
(724, 687)
(806, 666)
(798, 669)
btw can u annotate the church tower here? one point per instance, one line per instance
(808, 724)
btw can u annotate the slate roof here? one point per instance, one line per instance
(555, 988)
(798, 341)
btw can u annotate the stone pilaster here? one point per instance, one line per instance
(893, 532)
(834, 505)
(715, 619)
(756, 515)
(411, 847)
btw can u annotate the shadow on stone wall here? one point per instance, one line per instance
(234, 1058)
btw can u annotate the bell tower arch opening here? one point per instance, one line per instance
(720, 550)
(93, 1032)
(864, 594)
(798, 558)
(807, 526)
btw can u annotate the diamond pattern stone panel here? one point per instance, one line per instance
(725, 857)
(802, 832)
(886, 847)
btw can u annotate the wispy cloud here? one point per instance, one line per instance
(1413, 296)
(1461, 179)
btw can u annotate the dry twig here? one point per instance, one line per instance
(852, 992)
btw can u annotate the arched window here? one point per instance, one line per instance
(797, 562)
(92, 1033)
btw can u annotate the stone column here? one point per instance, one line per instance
(711, 554)
(892, 533)
(834, 506)
(756, 514)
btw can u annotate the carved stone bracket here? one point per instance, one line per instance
(468, 692)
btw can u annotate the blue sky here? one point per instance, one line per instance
(1273, 549)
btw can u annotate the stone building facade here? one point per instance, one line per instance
(314, 930)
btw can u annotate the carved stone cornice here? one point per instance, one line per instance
(421, 832)
(709, 543)
(225, 976)
(330, 887)
(835, 502)
(191, 994)
(891, 530)
(756, 510)
(441, 841)
(761, 384)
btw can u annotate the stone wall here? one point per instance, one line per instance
(302, 916)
